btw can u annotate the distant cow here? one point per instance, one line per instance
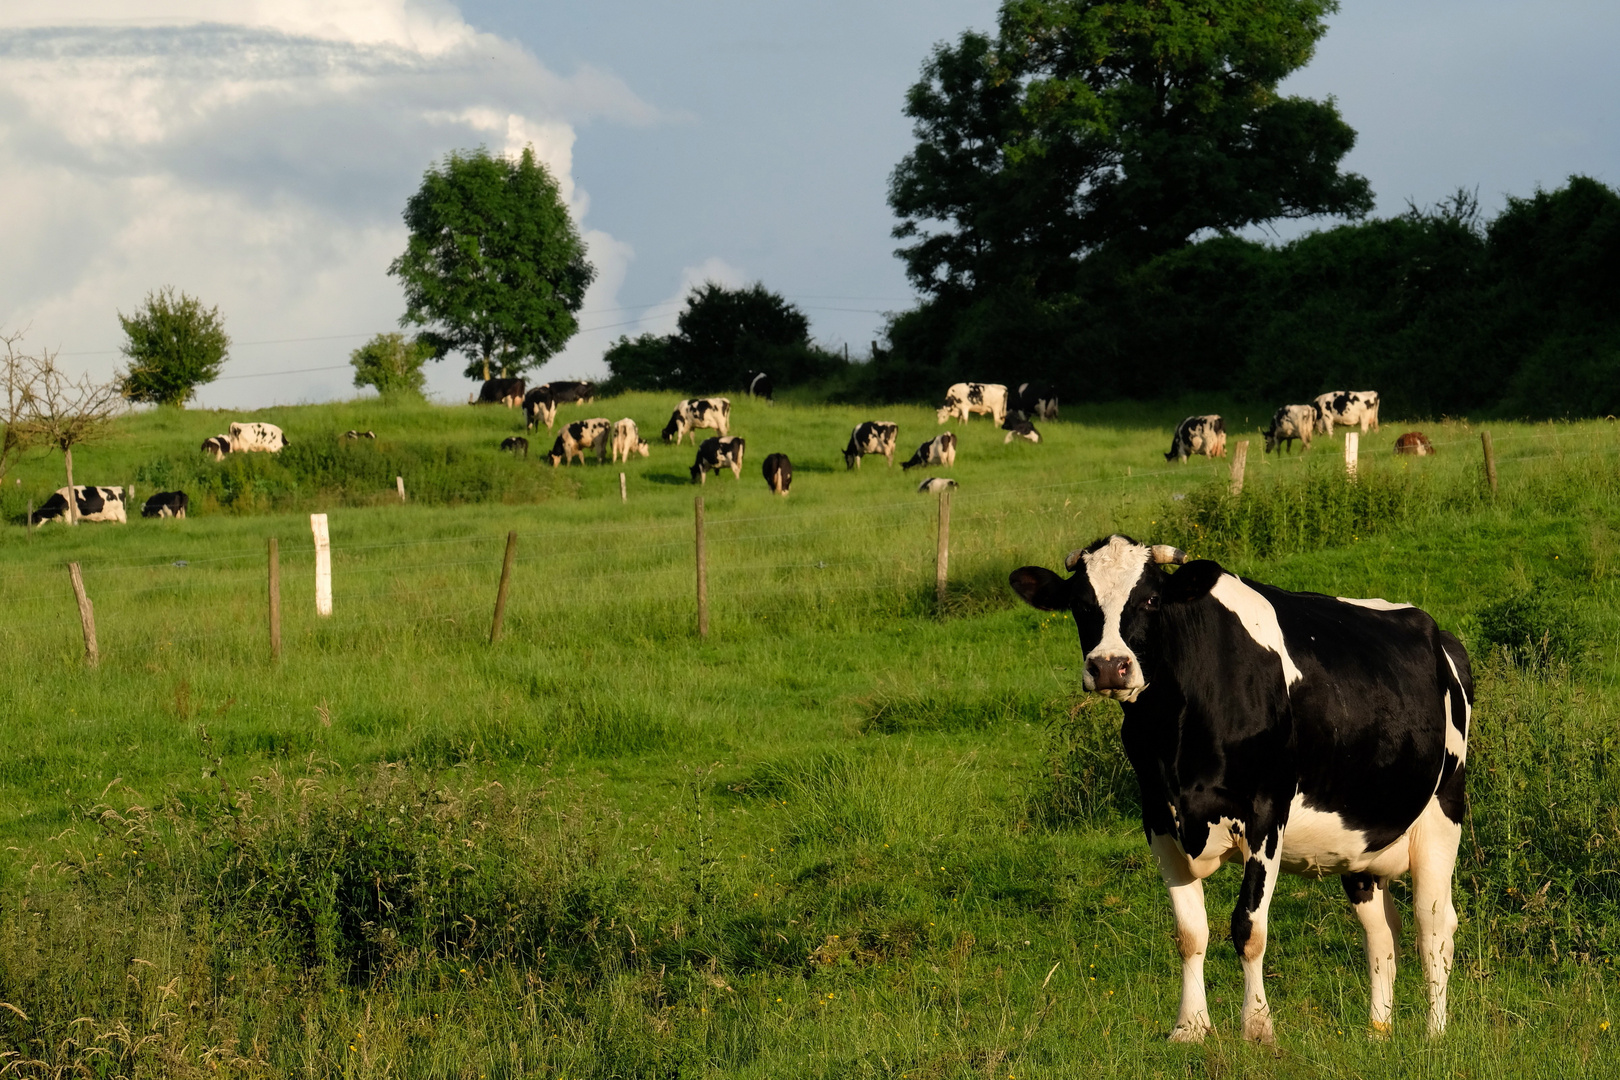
(778, 473)
(1039, 400)
(538, 409)
(563, 393)
(1292, 422)
(760, 386)
(218, 445)
(1198, 435)
(935, 484)
(940, 450)
(93, 504)
(713, 413)
(871, 437)
(1018, 427)
(578, 437)
(352, 434)
(508, 392)
(166, 504)
(966, 398)
(627, 440)
(263, 438)
(1347, 408)
(716, 454)
(1415, 443)
(517, 444)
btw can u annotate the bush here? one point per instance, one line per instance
(1536, 627)
(1085, 777)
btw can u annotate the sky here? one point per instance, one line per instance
(258, 153)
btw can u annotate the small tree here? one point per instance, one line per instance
(391, 364)
(59, 412)
(175, 345)
(14, 370)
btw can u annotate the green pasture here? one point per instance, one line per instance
(852, 833)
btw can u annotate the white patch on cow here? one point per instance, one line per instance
(1259, 618)
(1457, 741)
(1374, 604)
(1226, 842)
(1318, 842)
(1113, 570)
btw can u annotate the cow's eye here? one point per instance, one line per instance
(1151, 603)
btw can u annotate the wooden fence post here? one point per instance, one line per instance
(87, 616)
(1490, 459)
(1352, 451)
(702, 573)
(624, 494)
(500, 593)
(129, 501)
(942, 554)
(29, 521)
(323, 565)
(399, 485)
(1240, 459)
(275, 599)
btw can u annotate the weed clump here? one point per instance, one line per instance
(1536, 627)
(1085, 777)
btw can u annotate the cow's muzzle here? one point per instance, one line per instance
(1106, 673)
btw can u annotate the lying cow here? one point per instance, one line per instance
(352, 434)
(1036, 399)
(1292, 422)
(1415, 443)
(716, 454)
(578, 437)
(760, 386)
(91, 503)
(508, 392)
(516, 444)
(1283, 731)
(778, 473)
(694, 413)
(1018, 427)
(965, 398)
(871, 437)
(1198, 435)
(218, 445)
(166, 504)
(627, 440)
(1347, 408)
(257, 438)
(935, 484)
(940, 450)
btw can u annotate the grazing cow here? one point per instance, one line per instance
(578, 437)
(1415, 443)
(716, 454)
(92, 504)
(713, 413)
(627, 440)
(263, 438)
(778, 473)
(871, 437)
(219, 446)
(965, 398)
(1292, 422)
(1347, 408)
(1286, 731)
(563, 393)
(517, 444)
(760, 385)
(353, 434)
(940, 450)
(935, 484)
(1039, 400)
(1017, 427)
(508, 392)
(1198, 435)
(166, 504)
(539, 409)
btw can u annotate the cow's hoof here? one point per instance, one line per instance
(1190, 1032)
(1258, 1029)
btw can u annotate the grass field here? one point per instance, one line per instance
(849, 834)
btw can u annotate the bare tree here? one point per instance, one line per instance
(57, 411)
(13, 372)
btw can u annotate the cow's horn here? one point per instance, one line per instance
(1165, 553)
(1072, 559)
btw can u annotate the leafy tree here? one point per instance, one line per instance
(391, 364)
(174, 345)
(642, 363)
(495, 268)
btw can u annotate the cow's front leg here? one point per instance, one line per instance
(1249, 931)
(1192, 938)
(1381, 933)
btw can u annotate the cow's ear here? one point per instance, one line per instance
(1040, 588)
(1192, 582)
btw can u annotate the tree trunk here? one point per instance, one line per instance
(486, 367)
(73, 504)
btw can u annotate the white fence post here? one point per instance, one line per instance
(323, 565)
(1352, 441)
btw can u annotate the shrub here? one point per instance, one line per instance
(1085, 777)
(1537, 627)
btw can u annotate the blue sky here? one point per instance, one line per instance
(257, 153)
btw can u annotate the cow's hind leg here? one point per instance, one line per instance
(1192, 939)
(1249, 933)
(1434, 857)
(1381, 933)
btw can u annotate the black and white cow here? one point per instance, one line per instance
(353, 434)
(508, 392)
(1284, 731)
(218, 445)
(539, 409)
(1198, 435)
(1018, 427)
(517, 444)
(257, 437)
(578, 437)
(166, 504)
(92, 503)
(627, 440)
(694, 413)
(1292, 422)
(760, 385)
(871, 437)
(940, 450)
(935, 484)
(965, 398)
(778, 473)
(1039, 400)
(1347, 408)
(716, 454)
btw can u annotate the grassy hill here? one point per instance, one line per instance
(851, 833)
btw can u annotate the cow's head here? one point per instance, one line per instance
(558, 454)
(1115, 595)
(641, 447)
(672, 428)
(945, 411)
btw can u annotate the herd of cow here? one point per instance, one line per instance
(1206, 435)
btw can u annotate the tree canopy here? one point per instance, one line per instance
(174, 345)
(495, 267)
(391, 363)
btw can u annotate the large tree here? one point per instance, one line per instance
(495, 267)
(1126, 126)
(174, 345)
